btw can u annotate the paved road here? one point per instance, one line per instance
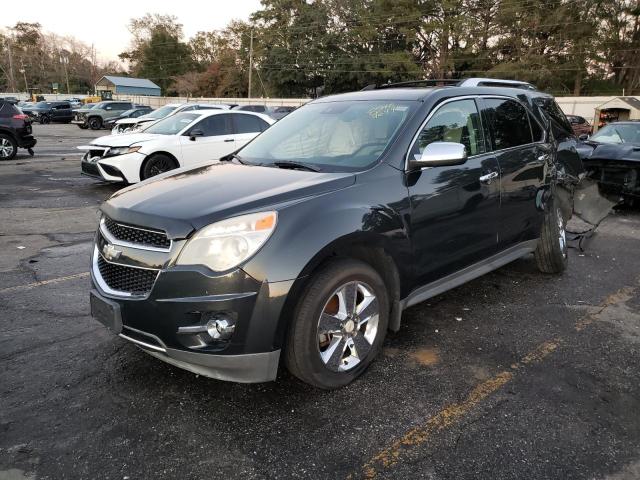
(516, 375)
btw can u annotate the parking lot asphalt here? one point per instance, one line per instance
(516, 375)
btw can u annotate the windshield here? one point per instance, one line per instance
(173, 124)
(100, 105)
(161, 112)
(618, 133)
(126, 113)
(43, 105)
(336, 136)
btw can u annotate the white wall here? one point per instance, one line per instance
(156, 102)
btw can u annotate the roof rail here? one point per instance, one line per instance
(495, 82)
(432, 82)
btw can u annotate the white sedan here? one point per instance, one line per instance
(183, 139)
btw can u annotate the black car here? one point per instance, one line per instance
(611, 157)
(15, 131)
(47, 112)
(305, 246)
(134, 112)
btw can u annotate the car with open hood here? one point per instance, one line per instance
(128, 125)
(611, 157)
(179, 140)
(305, 246)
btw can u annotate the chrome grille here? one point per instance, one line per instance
(141, 236)
(136, 281)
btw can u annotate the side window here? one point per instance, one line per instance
(509, 123)
(249, 123)
(457, 122)
(214, 125)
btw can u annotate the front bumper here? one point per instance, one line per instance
(117, 168)
(189, 297)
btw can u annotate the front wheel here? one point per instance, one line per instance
(156, 165)
(95, 123)
(552, 252)
(339, 324)
(44, 119)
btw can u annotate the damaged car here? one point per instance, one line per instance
(612, 159)
(303, 247)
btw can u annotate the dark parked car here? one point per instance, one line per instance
(47, 112)
(135, 112)
(15, 131)
(579, 125)
(278, 113)
(304, 247)
(612, 158)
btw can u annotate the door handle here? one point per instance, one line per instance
(487, 179)
(228, 139)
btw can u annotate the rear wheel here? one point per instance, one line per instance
(8, 147)
(44, 119)
(552, 251)
(157, 164)
(338, 325)
(95, 123)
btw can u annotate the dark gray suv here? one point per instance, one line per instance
(305, 246)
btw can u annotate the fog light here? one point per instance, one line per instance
(220, 328)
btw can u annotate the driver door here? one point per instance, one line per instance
(454, 209)
(208, 140)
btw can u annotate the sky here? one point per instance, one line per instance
(105, 24)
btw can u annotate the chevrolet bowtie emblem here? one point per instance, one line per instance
(110, 252)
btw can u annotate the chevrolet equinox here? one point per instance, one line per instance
(305, 246)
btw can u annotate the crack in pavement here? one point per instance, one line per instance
(451, 414)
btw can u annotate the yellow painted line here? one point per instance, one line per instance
(422, 433)
(44, 282)
(450, 414)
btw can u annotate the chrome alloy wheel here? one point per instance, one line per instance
(348, 326)
(6, 149)
(562, 234)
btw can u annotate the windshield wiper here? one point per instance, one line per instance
(295, 165)
(231, 156)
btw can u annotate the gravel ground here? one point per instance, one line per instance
(516, 375)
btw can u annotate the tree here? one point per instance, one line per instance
(157, 51)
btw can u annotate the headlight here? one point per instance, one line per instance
(123, 150)
(223, 245)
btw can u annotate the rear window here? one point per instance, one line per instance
(8, 110)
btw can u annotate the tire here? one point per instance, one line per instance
(8, 147)
(552, 252)
(308, 352)
(157, 164)
(45, 119)
(95, 123)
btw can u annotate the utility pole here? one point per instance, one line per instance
(24, 75)
(12, 80)
(250, 62)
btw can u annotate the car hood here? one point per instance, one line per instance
(189, 199)
(592, 151)
(125, 139)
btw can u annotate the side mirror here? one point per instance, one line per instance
(583, 137)
(441, 153)
(195, 133)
